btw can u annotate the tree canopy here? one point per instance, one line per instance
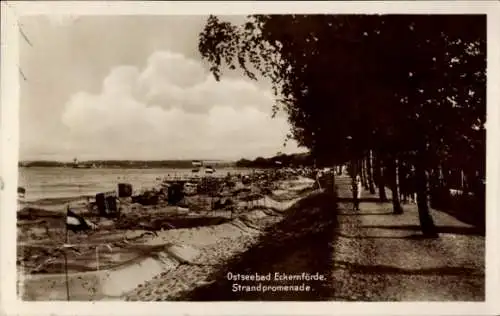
(388, 80)
(411, 86)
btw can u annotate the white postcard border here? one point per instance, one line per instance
(10, 305)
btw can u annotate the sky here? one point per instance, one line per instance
(135, 87)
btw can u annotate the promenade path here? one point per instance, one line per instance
(379, 256)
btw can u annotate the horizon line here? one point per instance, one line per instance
(154, 160)
(135, 160)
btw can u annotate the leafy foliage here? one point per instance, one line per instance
(391, 82)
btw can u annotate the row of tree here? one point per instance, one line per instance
(384, 90)
(280, 160)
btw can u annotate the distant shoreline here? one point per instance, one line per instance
(127, 167)
(123, 164)
(280, 160)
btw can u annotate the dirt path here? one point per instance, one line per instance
(378, 256)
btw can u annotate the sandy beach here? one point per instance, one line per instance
(144, 244)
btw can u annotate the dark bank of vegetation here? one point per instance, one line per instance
(390, 95)
(280, 160)
(42, 163)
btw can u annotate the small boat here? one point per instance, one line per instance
(195, 170)
(197, 163)
(82, 166)
(209, 169)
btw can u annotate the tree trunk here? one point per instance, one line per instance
(361, 170)
(364, 176)
(465, 183)
(379, 179)
(426, 223)
(394, 183)
(369, 161)
(367, 177)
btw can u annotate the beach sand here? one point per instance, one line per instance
(145, 245)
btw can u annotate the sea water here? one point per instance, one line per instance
(47, 186)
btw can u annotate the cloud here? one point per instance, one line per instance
(173, 108)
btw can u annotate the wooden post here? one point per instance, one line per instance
(66, 263)
(97, 257)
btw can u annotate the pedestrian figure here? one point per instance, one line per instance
(412, 186)
(408, 187)
(356, 191)
(319, 175)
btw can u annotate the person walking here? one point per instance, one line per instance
(319, 175)
(357, 186)
(412, 186)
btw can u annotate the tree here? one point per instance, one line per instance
(385, 81)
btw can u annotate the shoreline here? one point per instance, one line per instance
(150, 247)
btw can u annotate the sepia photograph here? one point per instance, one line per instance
(251, 157)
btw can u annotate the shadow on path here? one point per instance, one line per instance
(457, 230)
(384, 269)
(475, 215)
(366, 199)
(300, 243)
(466, 216)
(357, 213)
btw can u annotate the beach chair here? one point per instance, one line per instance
(106, 204)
